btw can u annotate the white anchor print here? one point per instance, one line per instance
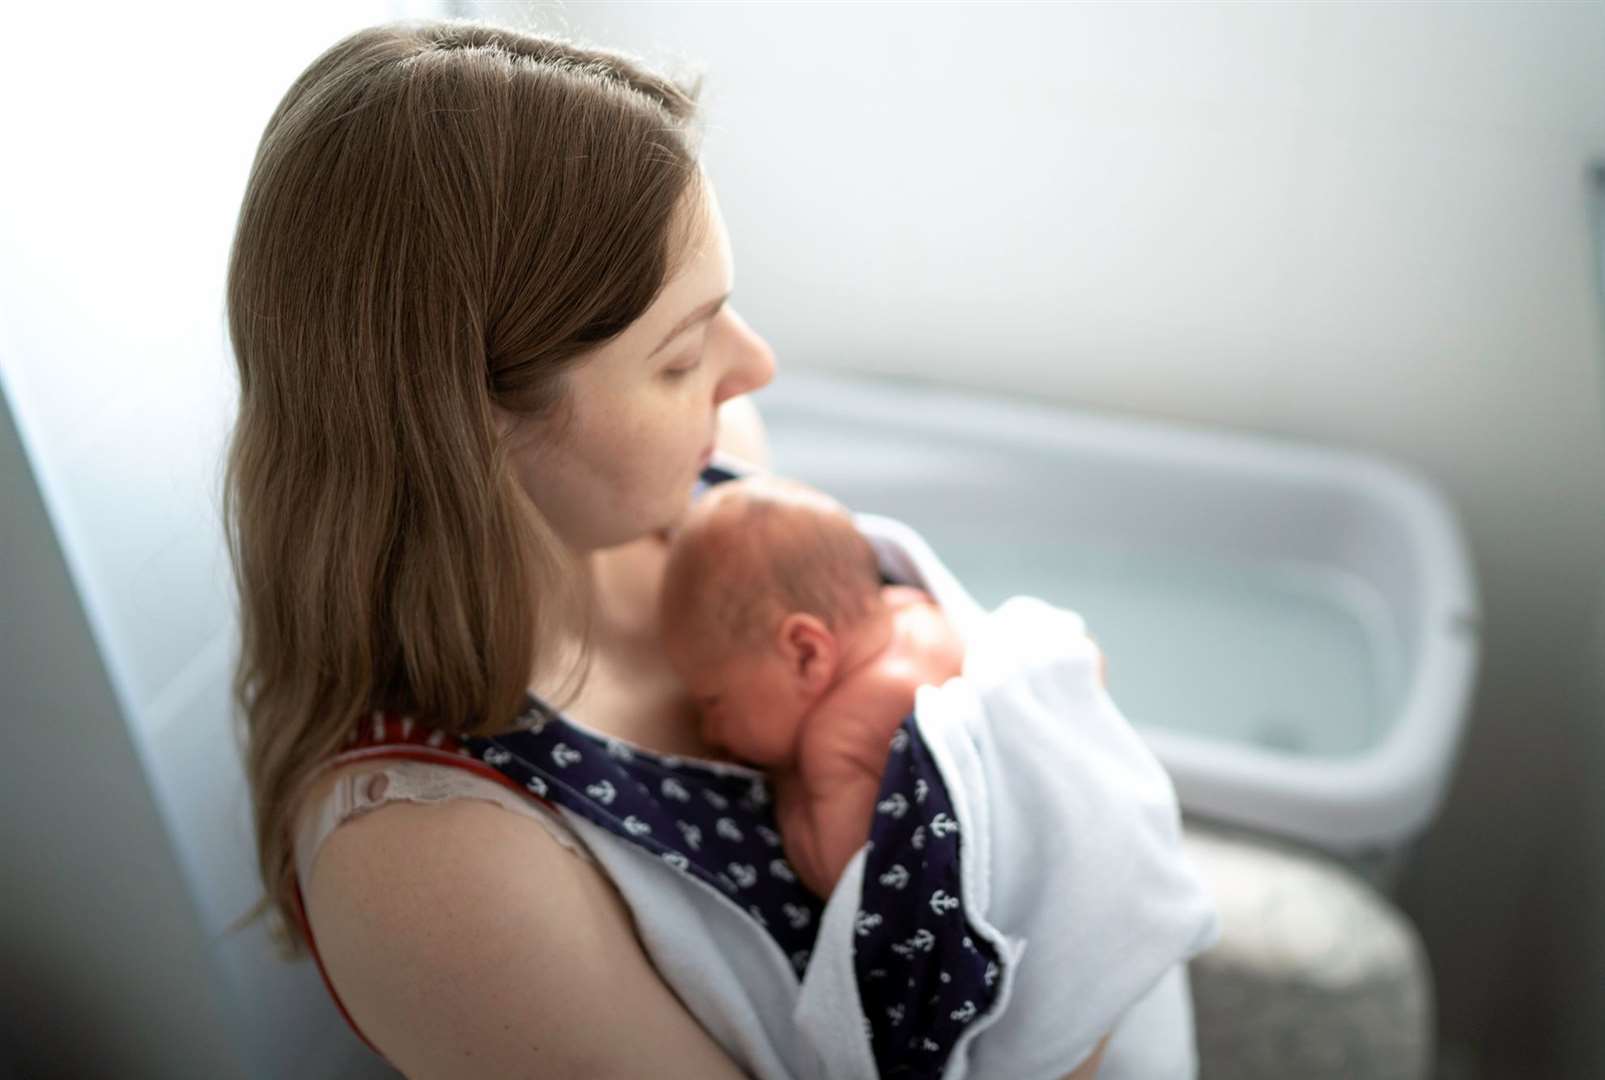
(769, 835)
(965, 1013)
(896, 877)
(896, 1013)
(756, 914)
(673, 789)
(799, 959)
(671, 762)
(941, 825)
(602, 791)
(927, 1044)
(899, 740)
(780, 869)
(692, 834)
(896, 805)
(564, 755)
(921, 789)
(923, 940)
(716, 800)
(727, 829)
(905, 951)
(878, 973)
(865, 921)
(991, 973)
(869, 1029)
(495, 755)
(744, 874)
(945, 976)
(729, 886)
(618, 750)
(537, 785)
(968, 944)
(797, 915)
(676, 860)
(758, 793)
(918, 839)
(941, 902)
(635, 826)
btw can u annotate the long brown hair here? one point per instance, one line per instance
(443, 215)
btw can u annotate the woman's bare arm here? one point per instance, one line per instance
(465, 942)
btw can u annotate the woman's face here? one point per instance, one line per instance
(645, 407)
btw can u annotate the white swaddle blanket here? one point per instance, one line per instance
(1073, 858)
(1072, 870)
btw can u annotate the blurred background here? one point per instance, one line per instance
(1374, 227)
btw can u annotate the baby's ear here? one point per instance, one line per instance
(809, 648)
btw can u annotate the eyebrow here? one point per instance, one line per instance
(706, 311)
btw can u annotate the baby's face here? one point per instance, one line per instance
(745, 705)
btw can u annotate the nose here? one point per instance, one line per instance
(751, 360)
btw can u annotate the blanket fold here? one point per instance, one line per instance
(1026, 858)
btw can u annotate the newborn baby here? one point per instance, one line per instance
(800, 661)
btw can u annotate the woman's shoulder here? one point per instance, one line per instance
(453, 929)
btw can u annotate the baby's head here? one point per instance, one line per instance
(767, 586)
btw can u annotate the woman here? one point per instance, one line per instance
(478, 297)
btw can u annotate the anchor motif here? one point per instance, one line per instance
(921, 789)
(896, 1013)
(537, 785)
(618, 750)
(896, 877)
(676, 860)
(797, 915)
(799, 960)
(896, 805)
(744, 874)
(564, 755)
(899, 740)
(718, 801)
(965, 1013)
(918, 839)
(991, 973)
(495, 755)
(782, 870)
(941, 902)
(692, 834)
(673, 789)
(865, 921)
(758, 793)
(727, 829)
(923, 940)
(756, 914)
(602, 791)
(769, 835)
(635, 826)
(941, 825)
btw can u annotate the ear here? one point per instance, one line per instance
(809, 649)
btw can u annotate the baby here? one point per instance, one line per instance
(799, 660)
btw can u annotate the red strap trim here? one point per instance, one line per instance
(388, 736)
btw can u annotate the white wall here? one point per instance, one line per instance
(1359, 224)
(130, 131)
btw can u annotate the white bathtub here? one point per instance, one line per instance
(1291, 628)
